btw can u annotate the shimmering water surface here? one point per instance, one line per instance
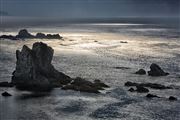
(93, 51)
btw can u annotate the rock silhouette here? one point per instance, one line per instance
(156, 71)
(24, 34)
(6, 94)
(141, 72)
(34, 69)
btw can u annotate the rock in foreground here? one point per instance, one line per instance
(35, 72)
(34, 69)
(156, 71)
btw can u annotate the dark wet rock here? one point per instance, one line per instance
(122, 68)
(80, 84)
(151, 96)
(8, 37)
(6, 94)
(130, 84)
(171, 98)
(95, 41)
(34, 70)
(6, 84)
(131, 90)
(54, 36)
(141, 89)
(150, 85)
(141, 72)
(123, 42)
(40, 35)
(100, 84)
(156, 71)
(24, 34)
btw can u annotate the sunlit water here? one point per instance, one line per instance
(92, 51)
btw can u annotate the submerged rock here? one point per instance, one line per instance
(151, 96)
(6, 94)
(131, 90)
(141, 72)
(79, 84)
(156, 71)
(171, 98)
(141, 89)
(6, 84)
(34, 69)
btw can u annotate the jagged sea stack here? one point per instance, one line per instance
(34, 70)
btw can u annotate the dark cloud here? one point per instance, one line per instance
(91, 8)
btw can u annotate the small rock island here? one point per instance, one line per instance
(24, 34)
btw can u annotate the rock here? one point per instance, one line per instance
(171, 98)
(82, 85)
(131, 90)
(40, 35)
(141, 72)
(6, 94)
(123, 42)
(150, 85)
(131, 84)
(141, 89)
(122, 68)
(24, 34)
(100, 84)
(156, 71)
(55, 36)
(6, 84)
(151, 96)
(8, 37)
(34, 70)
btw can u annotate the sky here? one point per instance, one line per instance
(90, 8)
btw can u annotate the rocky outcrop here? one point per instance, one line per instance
(35, 72)
(6, 94)
(171, 98)
(141, 89)
(150, 85)
(34, 69)
(6, 84)
(155, 70)
(79, 84)
(141, 72)
(24, 34)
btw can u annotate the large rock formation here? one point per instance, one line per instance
(34, 69)
(156, 71)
